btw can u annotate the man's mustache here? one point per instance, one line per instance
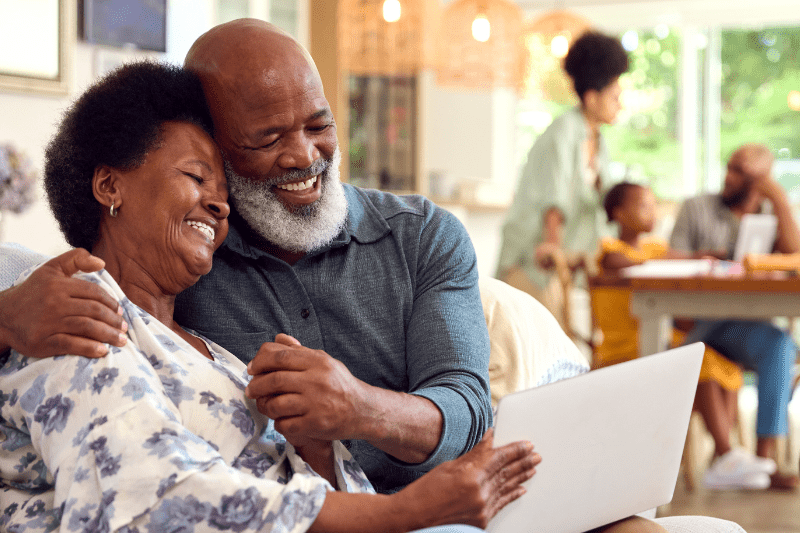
(319, 166)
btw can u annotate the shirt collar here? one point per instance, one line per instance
(364, 224)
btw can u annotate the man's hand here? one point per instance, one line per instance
(307, 392)
(51, 313)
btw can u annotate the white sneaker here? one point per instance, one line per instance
(739, 469)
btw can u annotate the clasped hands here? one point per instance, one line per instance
(308, 393)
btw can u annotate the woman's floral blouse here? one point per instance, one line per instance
(152, 438)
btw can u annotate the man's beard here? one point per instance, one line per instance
(301, 229)
(736, 198)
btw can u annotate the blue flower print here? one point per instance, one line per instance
(166, 484)
(155, 362)
(104, 378)
(175, 368)
(241, 418)
(15, 439)
(37, 508)
(32, 398)
(81, 474)
(175, 390)
(257, 463)
(177, 515)
(215, 403)
(84, 431)
(7, 514)
(239, 512)
(10, 398)
(82, 520)
(107, 464)
(83, 374)
(167, 343)
(25, 461)
(53, 413)
(163, 443)
(296, 506)
(136, 388)
(356, 475)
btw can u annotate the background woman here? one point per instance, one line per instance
(567, 168)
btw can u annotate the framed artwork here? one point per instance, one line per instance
(36, 39)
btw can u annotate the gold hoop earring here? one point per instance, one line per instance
(113, 212)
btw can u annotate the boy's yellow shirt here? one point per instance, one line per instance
(611, 313)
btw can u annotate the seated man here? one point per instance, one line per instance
(711, 222)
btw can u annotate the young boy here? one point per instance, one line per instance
(633, 208)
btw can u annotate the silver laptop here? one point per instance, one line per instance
(611, 442)
(756, 235)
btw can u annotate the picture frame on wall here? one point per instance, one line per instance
(38, 36)
(129, 24)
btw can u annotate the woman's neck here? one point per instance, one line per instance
(137, 285)
(592, 124)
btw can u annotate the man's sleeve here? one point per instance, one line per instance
(681, 238)
(447, 342)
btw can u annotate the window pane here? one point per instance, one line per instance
(761, 97)
(644, 141)
(645, 138)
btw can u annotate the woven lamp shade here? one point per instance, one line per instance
(372, 46)
(466, 62)
(546, 78)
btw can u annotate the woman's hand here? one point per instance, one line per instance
(473, 488)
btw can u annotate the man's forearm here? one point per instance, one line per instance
(405, 426)
(788, 239)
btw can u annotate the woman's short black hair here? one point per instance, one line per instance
(616, 196)
(594, 61)
(116, 122)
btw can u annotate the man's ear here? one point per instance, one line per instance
(105, 186)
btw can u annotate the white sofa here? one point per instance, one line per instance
(529, 349)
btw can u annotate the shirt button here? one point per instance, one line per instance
(305, 313)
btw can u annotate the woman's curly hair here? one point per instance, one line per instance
(594, 61)
(116, 122)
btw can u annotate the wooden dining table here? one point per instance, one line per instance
(655, 301)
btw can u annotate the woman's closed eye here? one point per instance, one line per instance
(195, 177)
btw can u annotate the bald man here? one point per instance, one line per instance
(711, 222)
(381, 291)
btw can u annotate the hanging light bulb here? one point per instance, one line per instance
(559, 46)
(391, 10)
(481, 29)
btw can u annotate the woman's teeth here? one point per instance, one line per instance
(300, 186)
(207, 230)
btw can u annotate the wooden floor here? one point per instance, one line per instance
(756, 511)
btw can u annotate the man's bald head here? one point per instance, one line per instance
(749, 163)
(244, 45)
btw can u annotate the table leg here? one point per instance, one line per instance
(652, 335)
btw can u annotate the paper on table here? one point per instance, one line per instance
(669, 268)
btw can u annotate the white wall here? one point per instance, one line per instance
(469, 137)
(29, 120)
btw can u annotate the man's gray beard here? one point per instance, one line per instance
(300, 230)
